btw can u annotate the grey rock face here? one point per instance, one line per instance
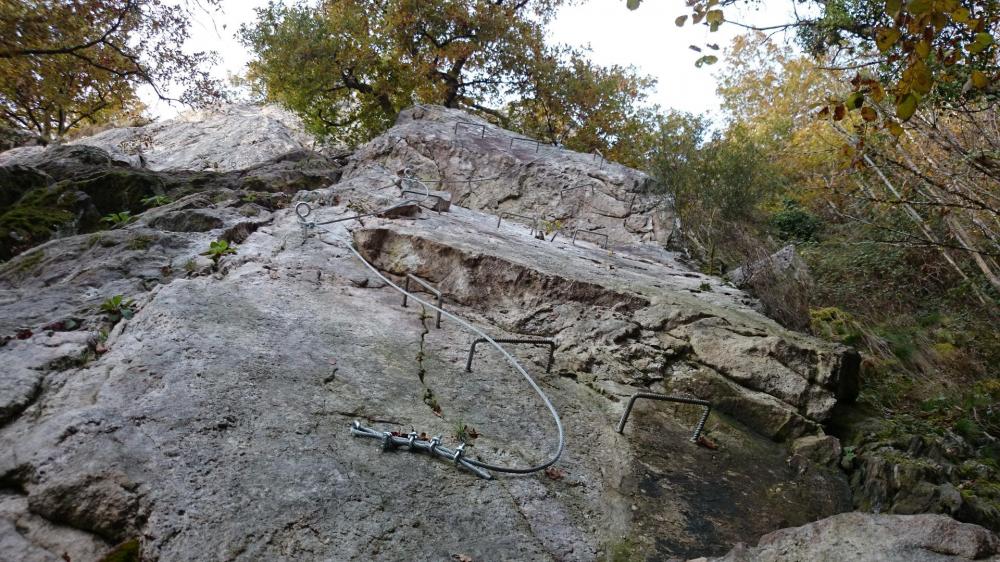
(213, 423)
(488, 168)
(231, 138)
(874, 538)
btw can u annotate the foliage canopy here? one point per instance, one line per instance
(75, 62)
(359, 62)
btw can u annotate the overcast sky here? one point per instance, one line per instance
(646, 38)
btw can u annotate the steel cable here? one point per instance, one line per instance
(510, 359)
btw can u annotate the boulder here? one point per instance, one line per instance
(867, 537)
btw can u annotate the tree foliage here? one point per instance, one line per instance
(359, 62)
(906, 53)
(74, 62)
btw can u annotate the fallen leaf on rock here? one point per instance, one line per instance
(707, 443)
(554, 473)
(24, 334)
(461, 557)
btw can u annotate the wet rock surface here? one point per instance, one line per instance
(211, 421)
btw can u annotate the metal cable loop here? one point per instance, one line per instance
(510, 359)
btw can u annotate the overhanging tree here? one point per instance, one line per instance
(359, 62)
(73, 62)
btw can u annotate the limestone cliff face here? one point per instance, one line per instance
(213, 423)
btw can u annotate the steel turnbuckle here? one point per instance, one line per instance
(391, 441)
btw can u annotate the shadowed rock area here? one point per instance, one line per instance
(210, 418)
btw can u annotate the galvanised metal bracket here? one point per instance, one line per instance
(470, 124)
(668, 398)
(426, 285)
(438, 197)
(392, 441)
(534, 221)
(597, 154)
(550, 343)
(580, 230)
(538, 143)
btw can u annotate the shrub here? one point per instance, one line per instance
(794, 223)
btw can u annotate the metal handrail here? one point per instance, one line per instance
(550, 343)
(534, 221)
(429, 287)
(538, 143)
(667, 398)
(471, 124)
(580, 230)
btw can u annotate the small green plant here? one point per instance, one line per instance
(139, 242)
(249, 197)
(465, 434)
(190, 265)
(431, 401)
(551, 226)
(705, 286)
(219, 248)
(117, 220)
(848, 455)
(156, 201)
(117, 308)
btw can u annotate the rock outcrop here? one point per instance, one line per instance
(206, 414)
(873, 538)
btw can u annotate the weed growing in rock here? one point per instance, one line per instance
(156, 201)
(190, 265)
(421, 371)
(431, 401)
(219, 248)
(551, 226)
(465, 434)
(117, 308)
(118, 220)
(139, 242)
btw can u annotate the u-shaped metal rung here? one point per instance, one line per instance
(426, 285)
(581, 231)
(550, 343)
(667, 398)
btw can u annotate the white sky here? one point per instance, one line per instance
(646, 38)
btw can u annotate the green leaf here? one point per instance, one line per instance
(633, 4)
(979, 43)
(855, 100)
(979, 79)
(920, 78)
(707, 59)
(920, 7)
(906, 105)
(679, 22)
(715, 16)
(892, 7)
(885, 38)
(895, 129)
